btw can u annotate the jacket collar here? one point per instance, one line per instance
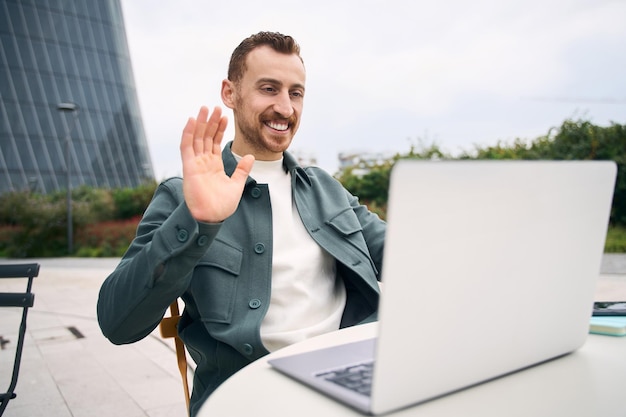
(289, 164)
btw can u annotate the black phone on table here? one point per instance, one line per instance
(609, 308)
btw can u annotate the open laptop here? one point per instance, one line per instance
(490, 267)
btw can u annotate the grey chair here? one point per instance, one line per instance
(23, 300)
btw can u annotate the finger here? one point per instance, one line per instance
(243, 169)
(186, 141)
(201, 122)
(219, 135)
(211, 128)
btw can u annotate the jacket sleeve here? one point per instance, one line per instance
(156, 268)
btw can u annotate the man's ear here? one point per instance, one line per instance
(228, 92)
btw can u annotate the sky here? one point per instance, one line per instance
(383, 75)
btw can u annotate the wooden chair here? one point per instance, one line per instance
(23, 300)
(169, 329)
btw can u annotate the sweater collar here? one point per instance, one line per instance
(289, 164)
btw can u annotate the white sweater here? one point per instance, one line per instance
(306, 298)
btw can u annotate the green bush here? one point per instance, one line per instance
(615, 240)
(97, 203)
(132, 201)
(106, 239)
(11, 206)
(41, 229)
(103, 221)
(8, 234)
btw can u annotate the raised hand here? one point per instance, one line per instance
(210, 194)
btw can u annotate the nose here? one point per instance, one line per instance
(283, 106)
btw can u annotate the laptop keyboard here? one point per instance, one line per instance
(357, 378)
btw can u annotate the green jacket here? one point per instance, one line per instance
(223, 271)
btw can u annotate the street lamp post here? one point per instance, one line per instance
(71, 108)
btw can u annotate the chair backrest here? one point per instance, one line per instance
(169, 329)
(23, 300)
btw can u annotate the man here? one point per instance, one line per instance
(263, 252)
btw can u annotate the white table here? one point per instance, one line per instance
(588, 382)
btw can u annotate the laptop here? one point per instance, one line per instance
(490, 267)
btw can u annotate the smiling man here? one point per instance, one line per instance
(267, 102)
(264, 252)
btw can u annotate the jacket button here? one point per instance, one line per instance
(254, 303)
(182, 235)
(248, 349)
(202, 240)
(259, 248)
(255, 192)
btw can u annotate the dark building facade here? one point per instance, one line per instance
(56, 56)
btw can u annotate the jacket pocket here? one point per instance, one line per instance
(348, 227)
(346, 223)
(214, 282)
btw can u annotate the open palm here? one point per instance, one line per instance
(210, 194)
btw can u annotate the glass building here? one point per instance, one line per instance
(68, 98)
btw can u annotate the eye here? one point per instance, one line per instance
(297, 94)
(268, 89)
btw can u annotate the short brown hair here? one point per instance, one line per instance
(280, 43)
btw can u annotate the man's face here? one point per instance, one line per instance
(267, 103)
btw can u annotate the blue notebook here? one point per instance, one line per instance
(608, 325)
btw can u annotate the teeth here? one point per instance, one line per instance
(278, 126)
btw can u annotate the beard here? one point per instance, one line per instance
(256, 135)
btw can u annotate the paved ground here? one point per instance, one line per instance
(63, 375)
